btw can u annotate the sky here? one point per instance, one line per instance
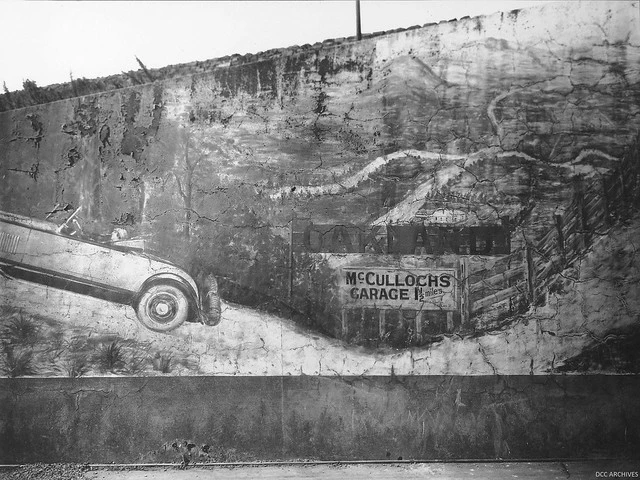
(53, 41)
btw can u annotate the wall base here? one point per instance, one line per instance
(153, 419)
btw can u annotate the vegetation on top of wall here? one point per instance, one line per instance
(31, 94)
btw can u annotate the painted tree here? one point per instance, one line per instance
(194, 163)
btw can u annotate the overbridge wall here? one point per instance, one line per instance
(424, 242)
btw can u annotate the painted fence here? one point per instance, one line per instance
(524, 277)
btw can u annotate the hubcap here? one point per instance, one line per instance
(163, 308)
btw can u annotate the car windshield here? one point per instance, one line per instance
(71, 225)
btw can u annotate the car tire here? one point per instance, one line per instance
(162, 308)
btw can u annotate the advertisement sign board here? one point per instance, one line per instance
(411, 289)
(415, 239)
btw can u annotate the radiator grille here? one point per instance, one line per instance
(8, 242)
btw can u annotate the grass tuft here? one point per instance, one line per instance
(76, 366)
(17, 361)
(22, 330)
(110, 357)
(162, 362)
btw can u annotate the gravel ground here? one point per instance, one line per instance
(552, 470)
(44, 471)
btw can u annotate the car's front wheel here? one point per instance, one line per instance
(162, 307)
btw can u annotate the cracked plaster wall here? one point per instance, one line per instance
(152, 420)
(494, 115)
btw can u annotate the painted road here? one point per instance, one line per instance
(251, 342)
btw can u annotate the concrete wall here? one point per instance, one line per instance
(378, 418)
(518, 122)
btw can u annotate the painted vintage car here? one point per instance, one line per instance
(163, 295)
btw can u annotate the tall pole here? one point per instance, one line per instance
(358, 28)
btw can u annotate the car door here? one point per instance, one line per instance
(84, 261)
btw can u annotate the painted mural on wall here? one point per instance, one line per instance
(459, 198)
